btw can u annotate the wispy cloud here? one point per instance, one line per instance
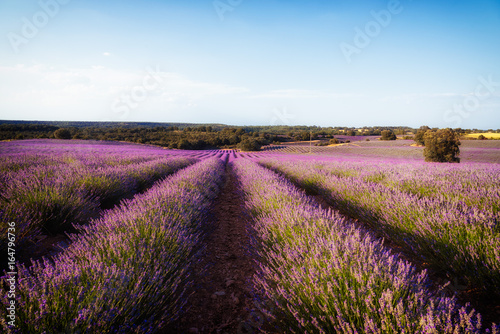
(102, 81)
(35, 88)
(415, 97)
(304, 94)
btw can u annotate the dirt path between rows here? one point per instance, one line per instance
(221, 300)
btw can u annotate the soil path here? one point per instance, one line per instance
(221, 300)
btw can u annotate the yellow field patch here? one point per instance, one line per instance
(489, 135)
(343, 144)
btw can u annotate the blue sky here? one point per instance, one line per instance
(249, 62)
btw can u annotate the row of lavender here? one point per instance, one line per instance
(451, 223)
(324, 275)
(49, 191)
(474, 184)
(127, 271)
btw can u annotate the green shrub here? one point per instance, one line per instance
(419, 137)
(183, 144)
(441, 146)
(249, 144)
(62, 134)
(388, 135)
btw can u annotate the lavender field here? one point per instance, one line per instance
(109, 237)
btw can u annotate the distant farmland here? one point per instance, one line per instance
(488, 135)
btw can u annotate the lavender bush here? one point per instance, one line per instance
(49, 191)
(127, 271)
(327, 276)
(457, 233)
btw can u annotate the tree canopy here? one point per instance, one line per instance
(441, 146)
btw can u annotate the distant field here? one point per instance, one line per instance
(487, 151)
(489, 135)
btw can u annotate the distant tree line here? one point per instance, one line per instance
(181, 136)
(196, 136)
(201, 137)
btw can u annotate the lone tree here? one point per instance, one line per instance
(419, 136)
(441, 146)
(388, 135)
(62, 134)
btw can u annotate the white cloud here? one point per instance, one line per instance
(304, 94)
(178, 85)
(35, 89)
(60, 93)
(412, 98)
(427, 96)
